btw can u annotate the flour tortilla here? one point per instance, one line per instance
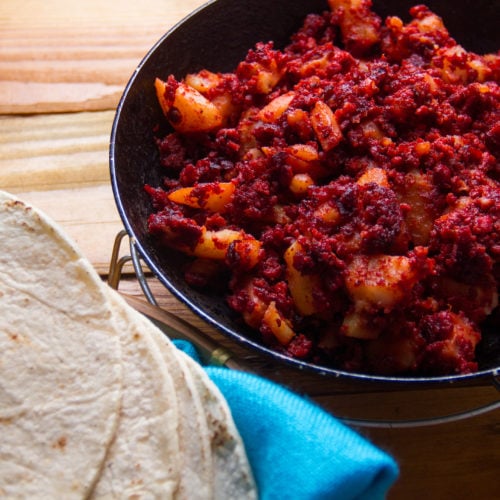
(143, 460)
(212, 454)
(95, 402)
(197, 471)
(60, 361)
(232, 472)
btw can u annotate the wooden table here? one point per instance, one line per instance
(63, 66)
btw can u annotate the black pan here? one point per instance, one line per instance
(216, 37)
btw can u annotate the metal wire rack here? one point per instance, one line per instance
(214, 354)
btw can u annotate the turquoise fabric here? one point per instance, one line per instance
(297, 450)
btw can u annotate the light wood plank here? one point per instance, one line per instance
(93, 13)
(76, 56)
(59, 163)
(34, 97)
(49, 152)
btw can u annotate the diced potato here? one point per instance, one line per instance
(328, 213)
(355, 325)
(325, 126)
(278, 325)
(279, 215)
(380, 281)
(275, 109)
(267, 77)
(226, 107)
(420, 218)
(394, 22)
(246, 126)
(422, 148)
(433, 86)
(463, 332)
(161, 90)
(357, 23)
(372, 131)
(376, 175)
(214, 244)
(203, 81)
(211, 196)
(313, 66)
(189, 111)
(301, 286)
(300, 183)
(452, 72)
(206, 81)
(255, 309)
(453, 346)
(303, 152)
(430, 23)
(248, 251)
(253, 154)
(482, 70)
(304, 159)
(268, 151)
(296, 116)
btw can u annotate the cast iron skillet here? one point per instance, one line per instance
(216, 37)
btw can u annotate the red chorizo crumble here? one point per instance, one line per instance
(348, 186)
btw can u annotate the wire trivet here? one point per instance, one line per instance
(212, 353)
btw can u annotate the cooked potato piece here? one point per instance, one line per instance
(325, 126)
(301, 286)
(214, 244)
(278, 325)
(211, 196)
(267, 76)
(416, 192)
(237, 246)
(300, 183)
(273, 111)
(328, 213)
(356, 325)
(304, 159)
(245, 253)
(203, 81)
(255, 307)
(358, 24)
(189, 110)
(380, 281)
(376, 175)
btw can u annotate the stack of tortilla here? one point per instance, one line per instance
(95, 401)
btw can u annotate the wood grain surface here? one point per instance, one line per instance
(63, 67)
(65, 56)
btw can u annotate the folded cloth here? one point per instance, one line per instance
(296, 449)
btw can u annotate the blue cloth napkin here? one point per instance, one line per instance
(297, 450)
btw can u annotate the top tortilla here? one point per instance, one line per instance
(60, 361)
